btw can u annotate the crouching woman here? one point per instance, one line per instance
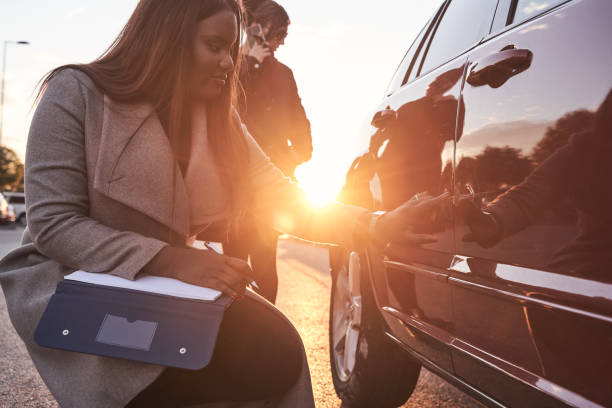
(129, 159)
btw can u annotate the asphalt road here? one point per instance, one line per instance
(304, 286)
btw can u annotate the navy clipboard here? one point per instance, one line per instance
(131, 324)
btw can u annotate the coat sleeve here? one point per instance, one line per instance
(280, 203)
(524, 204)
(56, 190)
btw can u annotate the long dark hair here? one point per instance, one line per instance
(266, 12)
(146, 63)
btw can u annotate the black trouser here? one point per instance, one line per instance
(258, 355)
(260, 244)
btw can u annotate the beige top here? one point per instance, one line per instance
(202, 178)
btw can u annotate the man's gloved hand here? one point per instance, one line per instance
(485, 230)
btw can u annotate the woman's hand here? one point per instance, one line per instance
(202, 268)
(259, 51)
(406, 223)
(212, 270)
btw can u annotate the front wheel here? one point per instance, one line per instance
(367, 369)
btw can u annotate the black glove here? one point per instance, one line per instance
(485, 229)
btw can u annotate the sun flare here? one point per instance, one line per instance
(320, 183)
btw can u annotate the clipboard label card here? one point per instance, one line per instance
(118, 331)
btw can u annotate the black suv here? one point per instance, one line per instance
(506, 106)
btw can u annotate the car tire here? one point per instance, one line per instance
(368, 370)
(22, 220)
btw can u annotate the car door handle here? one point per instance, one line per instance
(382, 119)
(494, 70)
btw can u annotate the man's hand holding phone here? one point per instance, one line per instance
(259, 51)
(257, 46)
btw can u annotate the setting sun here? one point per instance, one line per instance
(321, 183)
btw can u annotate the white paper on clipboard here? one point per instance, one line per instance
(148, 283)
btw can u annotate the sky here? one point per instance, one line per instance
(343, 55)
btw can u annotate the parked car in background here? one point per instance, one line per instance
(506, 106)
(7, 212)
(17, 200)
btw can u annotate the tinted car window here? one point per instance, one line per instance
(529, 8)
(402, 72)
(464, 23)
(16, 200)
(418, 59)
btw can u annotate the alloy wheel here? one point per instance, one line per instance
(346, 317)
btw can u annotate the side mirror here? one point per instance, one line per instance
(382, 119)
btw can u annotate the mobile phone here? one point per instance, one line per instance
(255, 33)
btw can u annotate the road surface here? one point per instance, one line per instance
(304, 286)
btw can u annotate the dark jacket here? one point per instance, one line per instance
(273, 112)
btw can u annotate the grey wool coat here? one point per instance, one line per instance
(99, 179)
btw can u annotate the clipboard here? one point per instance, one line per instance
(159, 321)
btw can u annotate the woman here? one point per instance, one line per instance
(129, 158)
(272, 111)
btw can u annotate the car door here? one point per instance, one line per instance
(415, 145)
(531, 282)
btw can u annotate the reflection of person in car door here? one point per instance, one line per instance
(411, 163)
(273, 112)
(578, 173)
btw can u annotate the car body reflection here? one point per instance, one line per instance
(514, 299)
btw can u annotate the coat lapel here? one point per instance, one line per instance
(136, 167)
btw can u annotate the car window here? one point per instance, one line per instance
(501, 19)
(463, 25)
(16, 200)
(528, 8)
(406, 64)
(419, 58)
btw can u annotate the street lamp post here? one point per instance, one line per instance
(2, 88)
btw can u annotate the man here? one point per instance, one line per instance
(273, 113)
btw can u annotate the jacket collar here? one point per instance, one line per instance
(136, 167)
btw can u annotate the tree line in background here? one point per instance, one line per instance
(496, 169)
(11, 170)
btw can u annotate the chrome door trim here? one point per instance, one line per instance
(424, 327)
(416, 270)
(534, 381)
(487, 290)
(451, 378)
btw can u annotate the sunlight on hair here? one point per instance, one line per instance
(320, 184)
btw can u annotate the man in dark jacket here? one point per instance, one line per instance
(273, 113)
